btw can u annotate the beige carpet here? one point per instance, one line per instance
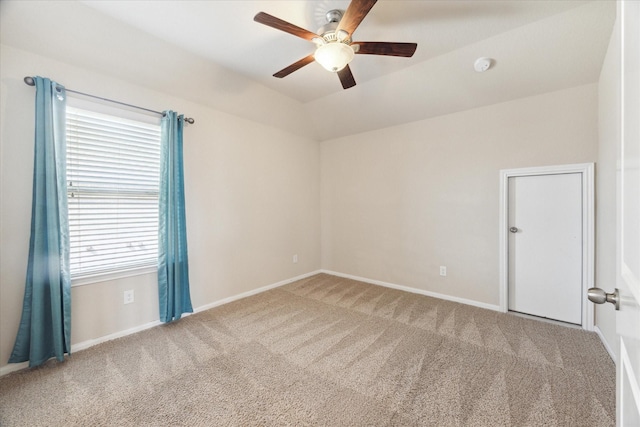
(327, 351)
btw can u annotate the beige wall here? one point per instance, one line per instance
(400, 202)
(391, 205)
(252, 202)
(609, 136)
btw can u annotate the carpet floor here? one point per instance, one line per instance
(327, 351)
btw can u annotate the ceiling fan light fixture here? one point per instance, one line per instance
(334, 56)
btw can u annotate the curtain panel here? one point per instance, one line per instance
(45, 325)
(173, 259)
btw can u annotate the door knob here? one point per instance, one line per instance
(513, 229)
(599, 296)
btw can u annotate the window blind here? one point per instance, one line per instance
(113, 168)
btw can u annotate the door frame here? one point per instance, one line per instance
(588, 235)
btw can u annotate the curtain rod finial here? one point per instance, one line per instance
(29, 80)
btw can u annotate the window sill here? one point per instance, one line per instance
(105, 277)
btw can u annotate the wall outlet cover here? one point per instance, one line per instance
(128, 296)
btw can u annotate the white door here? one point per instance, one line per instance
(628, 282)
(545, 246)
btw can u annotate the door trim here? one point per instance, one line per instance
(586, 169)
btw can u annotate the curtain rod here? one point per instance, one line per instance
(29, 81)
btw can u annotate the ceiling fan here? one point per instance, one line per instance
(334, 46)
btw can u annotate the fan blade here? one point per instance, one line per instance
(279, 24)
(386, 48)
(346, 78)
(354, 14)
(294, 67)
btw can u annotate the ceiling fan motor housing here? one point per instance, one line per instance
(328, 31)
(334, 15)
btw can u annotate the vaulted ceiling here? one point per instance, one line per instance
(537, 46)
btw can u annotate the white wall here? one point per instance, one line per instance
(394, 204)
(608, 136)
(252, 202)
(400, 202)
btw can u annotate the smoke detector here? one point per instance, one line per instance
(482, 64)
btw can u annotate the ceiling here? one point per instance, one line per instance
(537, 46)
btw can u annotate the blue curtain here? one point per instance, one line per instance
(45, 326)
(173, 259)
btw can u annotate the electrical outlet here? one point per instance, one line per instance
(443, 270)
(128, 296)
(295, 258)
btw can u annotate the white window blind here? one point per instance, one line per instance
(112, 187)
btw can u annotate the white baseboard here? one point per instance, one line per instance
(90, 343)
(254, 292)
(605, 344)
(12, 367)
(415, 290)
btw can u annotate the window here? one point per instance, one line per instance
(113, 168)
